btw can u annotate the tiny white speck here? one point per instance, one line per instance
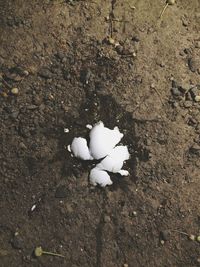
(89, 126)
(66, 130)
(33, 207)
(69, 148)
(86, 109)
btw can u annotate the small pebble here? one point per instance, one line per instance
(17, 242)
(164, 235)
(15, 91)
(198, 238)
(111, 41)
(162, 242)
(192, 64)
(194, 91)
(197, 98)
(26, 73)
(32, 107)
(195, 149)
(174, 84)
(192, 237)
(45, 73)
(135, 39)
(107, 219)
(175, 91)
(197, 44)
(119, 49)
(22, 145)
(185, 22)
(187, 104)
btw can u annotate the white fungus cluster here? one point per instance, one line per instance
(102, 145)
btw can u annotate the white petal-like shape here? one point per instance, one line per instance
(123, 172)
(103, 140)
(80, 149)
(100, 177)
(115, 159)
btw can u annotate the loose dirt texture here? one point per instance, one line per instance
(68, 75)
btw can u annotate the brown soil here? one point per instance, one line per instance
(68, 75)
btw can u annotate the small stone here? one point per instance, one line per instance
(22, 145)
(15, 91)
(185, 22)
(85, 75)
(174, 84)
(198, 128)
(135, 39)
(192, 121)
(45, 73)
(198, 238)
(107, 219)
(187, 104)
(197, 44)
(192, 237)
(26, 73)
(175, 91)
(32, 107)
(14, 114)
(119, 49)
(195, 149)
(187, 51)
(197, 98)
(164, 235)
(192, 64)
(61, 191)
(194, 91)
(162, 64)
(111, 41)
(162, 242)
(125, 265)
(17, 242)
(175, 105)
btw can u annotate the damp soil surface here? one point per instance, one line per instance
(66, 64)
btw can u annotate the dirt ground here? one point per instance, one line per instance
(59, 69)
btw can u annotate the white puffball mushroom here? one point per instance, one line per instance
(103, 145)
(103, 140)
(115, 160)
(99, 177)
(80, 149)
